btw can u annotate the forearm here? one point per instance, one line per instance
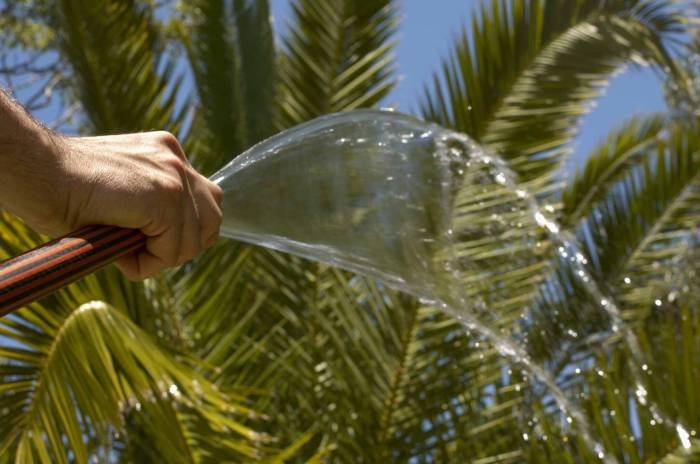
(28, 156)
(17, 130)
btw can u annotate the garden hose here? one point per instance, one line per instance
(48, 267)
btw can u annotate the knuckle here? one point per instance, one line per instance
(165, 138)
(170, 142)
(176, 164)
(173, 187)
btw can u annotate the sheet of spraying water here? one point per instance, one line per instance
(428, 212)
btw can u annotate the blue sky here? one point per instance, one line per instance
(426, 32)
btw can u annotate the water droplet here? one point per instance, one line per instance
(641, 393)
(599, 451)
(683, 435)
(542, 221)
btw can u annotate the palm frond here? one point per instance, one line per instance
(230, 50)
(57, 363)
(521, 80)
(257, 51)
(611, 161)
(338, 57)
(210, 39)
(651, 217)
(122, 77)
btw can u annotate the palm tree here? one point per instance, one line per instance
(249, 354)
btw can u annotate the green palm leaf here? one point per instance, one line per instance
(608, 164)
(529, 70)
(99, 39)
(338, 57)
(257, 51)
(60, 360)
(651, 218)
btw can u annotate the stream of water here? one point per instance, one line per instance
(426, 211)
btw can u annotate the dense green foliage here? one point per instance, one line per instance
(249, 354)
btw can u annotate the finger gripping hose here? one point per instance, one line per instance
(59, 262)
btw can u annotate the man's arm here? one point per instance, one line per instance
(57, 184)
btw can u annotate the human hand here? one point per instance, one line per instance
(141, 181)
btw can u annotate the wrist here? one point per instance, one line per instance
(32, 175)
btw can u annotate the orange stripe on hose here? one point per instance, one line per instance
(18, 262)
(80, 264)
(49, 264)
(61, 282)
